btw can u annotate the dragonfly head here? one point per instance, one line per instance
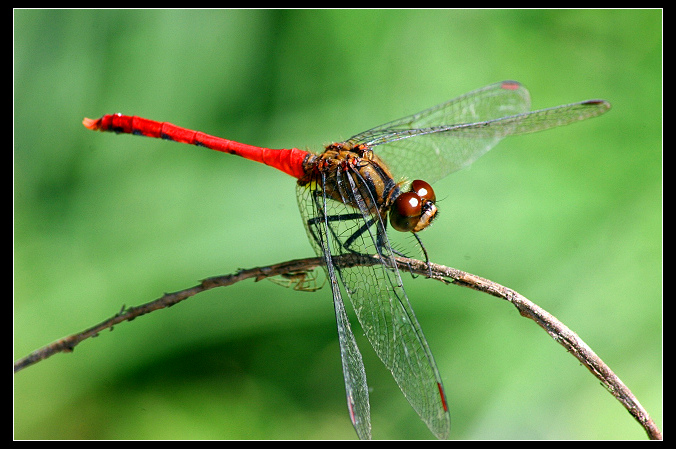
(414, 210)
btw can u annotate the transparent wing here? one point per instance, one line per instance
(488, 103)
(314, 213)
(454, 134)
(377, 296)
(354, 374)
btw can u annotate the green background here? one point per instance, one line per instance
(571, 218)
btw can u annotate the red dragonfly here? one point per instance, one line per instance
(345, 195)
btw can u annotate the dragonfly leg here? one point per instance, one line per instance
(380, 240)
(355, 216)
(424, 250)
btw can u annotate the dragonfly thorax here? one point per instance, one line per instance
(355, 176)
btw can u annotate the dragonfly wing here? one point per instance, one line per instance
(431, 156)
(448, 137)
(314, 213)
(488, 103)
(380, 302)
(353, 369)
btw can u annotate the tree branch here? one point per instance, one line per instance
(557, 330)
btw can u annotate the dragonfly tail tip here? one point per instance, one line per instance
(91, 123)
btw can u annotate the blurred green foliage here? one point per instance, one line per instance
(571, 218)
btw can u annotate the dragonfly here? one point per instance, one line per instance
(349, 194)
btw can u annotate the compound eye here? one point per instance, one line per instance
(423, 189)
(409, 204)
(406, 211)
